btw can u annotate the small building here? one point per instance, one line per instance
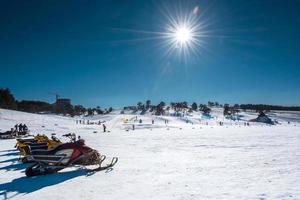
(62, 104)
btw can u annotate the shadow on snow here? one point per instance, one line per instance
(8, 150)
(14, 167)
(10, 154)
(28, 185)
(10, 160)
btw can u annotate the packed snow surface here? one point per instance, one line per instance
(186, 158)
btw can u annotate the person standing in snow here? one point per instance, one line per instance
(25, 128)
(104, 128)
(16, 127)
(21, 127)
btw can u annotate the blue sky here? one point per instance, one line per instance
(100, 52)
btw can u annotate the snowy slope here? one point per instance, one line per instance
(179, 160)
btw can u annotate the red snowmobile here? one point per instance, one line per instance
(65, 155)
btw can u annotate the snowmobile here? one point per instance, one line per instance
(65, 155)
(12, 134)
(38, 139)
(37, 143)
(7, 135)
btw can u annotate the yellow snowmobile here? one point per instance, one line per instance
(37, 143)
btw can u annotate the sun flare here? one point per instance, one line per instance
(183, 35)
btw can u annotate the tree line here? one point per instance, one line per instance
(260, 107)
(8, 101)
(161, 108)
(228, 109)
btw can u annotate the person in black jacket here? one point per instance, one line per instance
(16, 127)
(25, 128)
(104, 128)
(21, 127)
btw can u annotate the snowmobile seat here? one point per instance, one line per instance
(39, 147)
(28, 148)
(37, 144)
(43, 151)
(26, 140)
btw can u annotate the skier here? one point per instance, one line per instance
(25, 128)
(141, 121)
(152, 121)
(20, 127)
(104, 128)
(133, 127)
(16, 127)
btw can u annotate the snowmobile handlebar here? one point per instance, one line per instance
(72, 136)
(67, 135)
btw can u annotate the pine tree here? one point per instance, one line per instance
(148, 103)
(7, 100)
(194, 106)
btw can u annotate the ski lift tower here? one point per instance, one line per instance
(57, 96)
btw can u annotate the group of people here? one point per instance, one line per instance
(88, 122)
(21, 128)
(246, 124)
(222, 123)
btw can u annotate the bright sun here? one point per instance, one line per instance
(183, 35)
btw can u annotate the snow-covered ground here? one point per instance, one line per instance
(180, 160)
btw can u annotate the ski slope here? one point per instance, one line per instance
(188, 158)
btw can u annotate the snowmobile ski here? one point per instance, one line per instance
(108, 166)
